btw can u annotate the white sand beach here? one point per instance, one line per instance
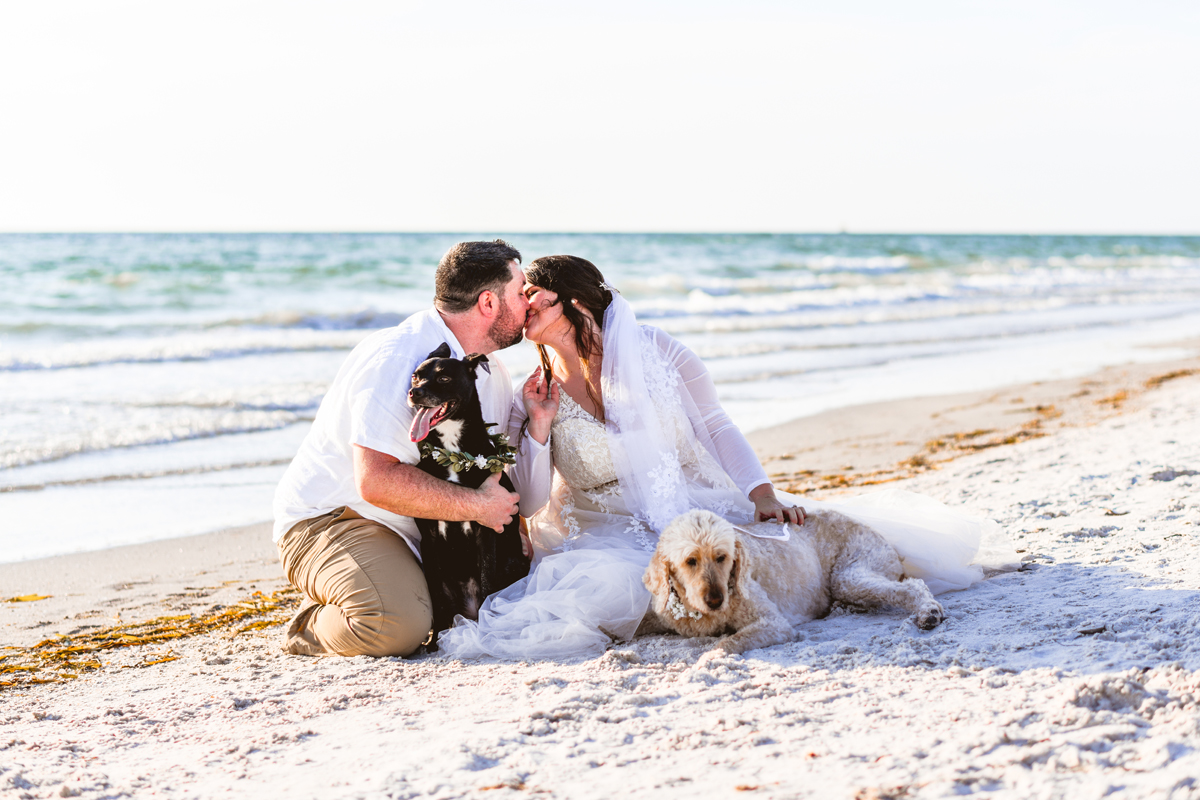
(1078, 676)
(945, 248)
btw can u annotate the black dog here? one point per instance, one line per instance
(463, 561)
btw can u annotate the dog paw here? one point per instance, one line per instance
(930, 618)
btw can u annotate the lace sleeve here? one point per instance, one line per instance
(729, 446)
(532, 473)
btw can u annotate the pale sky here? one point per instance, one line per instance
(511, 115)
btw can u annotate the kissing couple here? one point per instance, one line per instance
(618, 432)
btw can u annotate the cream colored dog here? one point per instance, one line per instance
(708, 580)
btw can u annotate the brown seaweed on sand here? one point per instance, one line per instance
(65, 657)
(934, 453)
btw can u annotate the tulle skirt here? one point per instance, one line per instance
(585, 589)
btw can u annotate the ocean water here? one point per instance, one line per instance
(154, 386)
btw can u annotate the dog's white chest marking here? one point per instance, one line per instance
(451, 431)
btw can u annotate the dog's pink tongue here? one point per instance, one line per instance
(420, 425)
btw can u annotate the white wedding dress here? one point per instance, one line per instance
(593, 541)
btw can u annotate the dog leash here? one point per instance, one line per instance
(760, 531)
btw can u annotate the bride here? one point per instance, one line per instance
(640, 437)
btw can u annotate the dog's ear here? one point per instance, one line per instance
(657, 579)
(442, 351)
(478, 360)
(737, 575)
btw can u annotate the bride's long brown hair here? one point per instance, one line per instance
(577, 283)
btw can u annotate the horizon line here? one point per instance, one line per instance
(481, 231)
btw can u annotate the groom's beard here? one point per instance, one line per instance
(505, 331)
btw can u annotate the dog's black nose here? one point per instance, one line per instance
(713, 600)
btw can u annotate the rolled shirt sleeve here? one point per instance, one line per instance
(380, 417)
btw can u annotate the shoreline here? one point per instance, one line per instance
(92, 512)
(1077, 676)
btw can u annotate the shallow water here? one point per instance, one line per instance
(156, 385)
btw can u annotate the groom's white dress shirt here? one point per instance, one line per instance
(367, 405)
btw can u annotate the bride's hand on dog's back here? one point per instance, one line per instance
(768, 507)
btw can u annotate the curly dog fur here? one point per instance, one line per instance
(706, 579)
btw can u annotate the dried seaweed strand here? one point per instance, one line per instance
(939, 451)
(1159, 380)
(65, 657)
(932, 455)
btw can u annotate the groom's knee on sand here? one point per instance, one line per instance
(364, 590)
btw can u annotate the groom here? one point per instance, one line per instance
(345, 507)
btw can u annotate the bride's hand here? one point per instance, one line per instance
(767, 506)
(541, 404)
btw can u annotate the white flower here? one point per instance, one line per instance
(481, 462)
(678, 609)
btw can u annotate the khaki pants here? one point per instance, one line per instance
(364, 591)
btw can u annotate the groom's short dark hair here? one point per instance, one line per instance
(470, 268)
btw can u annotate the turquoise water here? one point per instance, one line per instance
(178, 372)
(57, 288)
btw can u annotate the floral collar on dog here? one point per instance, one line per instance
(678, 609)
(458, 461)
